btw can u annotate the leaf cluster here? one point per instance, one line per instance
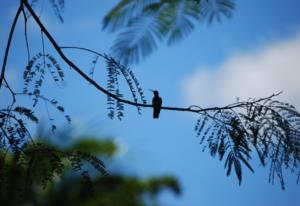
(114, 71)
(13, 131)
(57, 6)
(45, 175)
(39, 165)
(270, 128)
(144, 23)
(34, 74)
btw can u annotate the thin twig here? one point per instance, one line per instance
(25, 33)
(103, 90)
(192, 108)
(13, 94)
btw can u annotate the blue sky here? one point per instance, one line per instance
(213, 66)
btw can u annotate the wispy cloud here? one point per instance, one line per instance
(256, 73)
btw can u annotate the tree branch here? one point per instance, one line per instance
(25, 33)
(192, 108)
(100, 88)
(13, 94)
(9, 42)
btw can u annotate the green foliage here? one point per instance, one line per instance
(39, 165)
(154, 185)
(113, 190)
(269, 128)
(89, 145)
(45, 175)
(143, 23)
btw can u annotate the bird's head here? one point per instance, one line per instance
(155, 92)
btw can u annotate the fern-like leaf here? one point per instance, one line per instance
(143, 23)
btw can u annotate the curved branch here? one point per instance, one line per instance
(9, 42)
(13, 94)
(192, 108)
(103, 90)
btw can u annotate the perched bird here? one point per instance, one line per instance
(156, 102)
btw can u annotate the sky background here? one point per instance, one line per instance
(253, 54)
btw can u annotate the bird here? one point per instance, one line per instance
(156, 103)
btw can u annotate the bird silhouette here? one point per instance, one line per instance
(156, 102)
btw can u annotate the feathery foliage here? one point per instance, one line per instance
(40, 165)
(57, 6)
(143, 23)
(44, 174)
(34, 75)
(114, 70)
(35, 72)
(270, 128)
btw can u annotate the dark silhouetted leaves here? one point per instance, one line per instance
(114, 71)
(271, 128)
(35, 72)
(27, 112)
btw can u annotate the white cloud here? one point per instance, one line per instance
(122, 146)
(257, 73)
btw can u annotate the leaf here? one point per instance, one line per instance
(176, 19)
(114, 70)
(238, 169)
(137, 41)
(228, 163)
(58, 8)
(213, 10)
(123, 13)
(27, 112)
(94, 147)
(246, 163)
(60, 108)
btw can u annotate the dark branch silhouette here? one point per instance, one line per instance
(9, 42)
(232, 132)
(192, 108)
(97, 86)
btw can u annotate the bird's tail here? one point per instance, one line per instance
(156, 114)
